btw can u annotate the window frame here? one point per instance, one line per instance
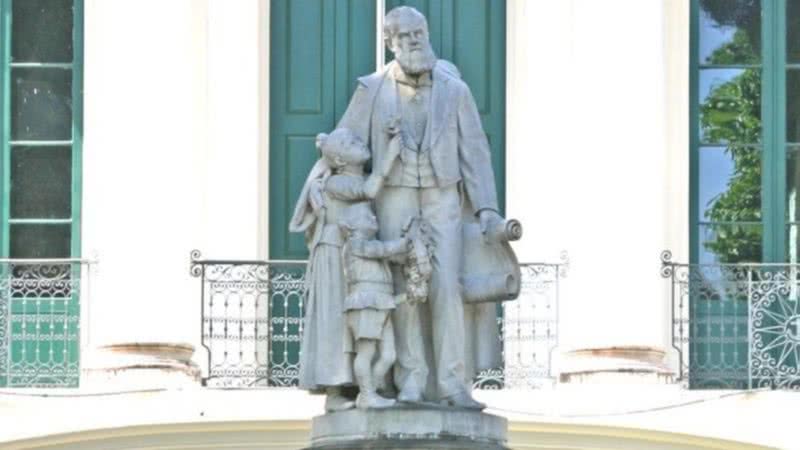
(76, 141)
(773, 131)
(39, 310)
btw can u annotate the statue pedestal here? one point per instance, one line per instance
(408, 428)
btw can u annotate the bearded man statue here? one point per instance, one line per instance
(444, 175)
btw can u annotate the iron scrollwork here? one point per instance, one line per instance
(40, 302)
(736, 326)
(252, 319)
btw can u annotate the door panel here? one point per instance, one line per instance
(318, 48)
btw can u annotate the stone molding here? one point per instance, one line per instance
(293, 434)
(623, 364)
(137, 365)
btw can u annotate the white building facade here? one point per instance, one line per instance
(173, 149)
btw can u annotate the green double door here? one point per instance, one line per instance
(318, 49)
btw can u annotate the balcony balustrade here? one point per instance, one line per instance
(252, 324)
(42, 305)
(735, 326)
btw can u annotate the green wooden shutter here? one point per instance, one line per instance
(318, 49)
(472, 35)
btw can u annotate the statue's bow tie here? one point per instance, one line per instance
(416, 85)
(422, 80)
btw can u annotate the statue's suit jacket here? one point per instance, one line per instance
(459, 150)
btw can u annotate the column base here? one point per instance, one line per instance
(141, 365)
(622, 364)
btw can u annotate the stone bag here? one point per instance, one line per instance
(490, 270)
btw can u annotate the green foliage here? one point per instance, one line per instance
(740, 50)
(741, 202)
(731, 114)
(744, 15)
(732, 110)
(736, 243)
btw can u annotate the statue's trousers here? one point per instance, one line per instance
(430, 336)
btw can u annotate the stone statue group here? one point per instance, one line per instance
(406, 258)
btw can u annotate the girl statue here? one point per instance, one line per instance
(336, 181)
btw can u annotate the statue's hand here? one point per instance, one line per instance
(393, 127)
(393, 150)
(488, 218)
(372, 186)
(407, 244)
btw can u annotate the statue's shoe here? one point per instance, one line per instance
(386, 389)
(409, 396)
(463, 400)
(344, 406)
(373, 401)
(338, 402)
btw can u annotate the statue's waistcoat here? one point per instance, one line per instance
(453, 141)
(414, 100)
(437, 159)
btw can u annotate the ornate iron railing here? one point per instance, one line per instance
(735, 326)
(41, 303)
(252, 324)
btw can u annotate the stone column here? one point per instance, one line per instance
(592, 136)
(171, 159)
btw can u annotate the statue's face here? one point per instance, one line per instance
(357, 152)
(344, 147)
(366, 224)
(411, 46)
(410, 35)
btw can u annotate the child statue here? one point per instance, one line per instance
(336, 181)
(370, 299)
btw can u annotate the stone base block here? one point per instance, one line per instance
(408, 428)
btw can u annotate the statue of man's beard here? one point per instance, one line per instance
(416, 62)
